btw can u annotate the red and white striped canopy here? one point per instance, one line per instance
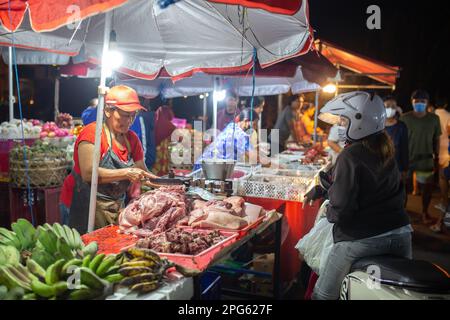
(187, 37)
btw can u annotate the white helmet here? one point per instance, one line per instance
(365, 113)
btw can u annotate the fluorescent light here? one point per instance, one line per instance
(220, 95)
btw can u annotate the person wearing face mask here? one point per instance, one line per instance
(233, 143)
(336, 140)
(391, 102)
(398, 132)
(424, 130)
(366, 196)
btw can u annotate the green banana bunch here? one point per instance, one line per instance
(106, 265)
(9, 238)
(54, 272)
(91, 249)
(44, 290)
(9, 255)
(3, 292)
(26, 234)
(35, 269)
(13, 277)
(16, 293)
(42, 257)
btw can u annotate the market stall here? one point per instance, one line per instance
(219, 226)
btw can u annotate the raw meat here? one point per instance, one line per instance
(220, 214)
(179, 241)
(156, 210)
(221, 220)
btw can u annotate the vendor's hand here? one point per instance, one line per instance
(317, 192)
(136, 174)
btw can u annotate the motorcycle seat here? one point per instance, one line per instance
(418, 275)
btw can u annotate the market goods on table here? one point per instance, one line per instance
(142, 270)
(64, 120)
(52, 130)
(13, 129)
(181, 241)
(154, 211)
(315, 155)
(205, 253)
(109, 239)
(40, 263)
(159, 210)
(270, 184)
(46, 165)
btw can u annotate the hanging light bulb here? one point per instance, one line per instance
(220, 95)
(330, 88)
(201, 96)
(113, 59)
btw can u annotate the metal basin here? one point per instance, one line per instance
(218, 169)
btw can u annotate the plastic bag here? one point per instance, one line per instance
(316, 245)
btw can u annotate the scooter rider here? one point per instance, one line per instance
(366, 194)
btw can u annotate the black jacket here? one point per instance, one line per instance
(366, 198)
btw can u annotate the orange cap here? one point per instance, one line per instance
(124, 98)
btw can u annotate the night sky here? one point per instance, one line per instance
(413, 36)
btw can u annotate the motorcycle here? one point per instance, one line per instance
(389, 277)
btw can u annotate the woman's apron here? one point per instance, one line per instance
(110, 196)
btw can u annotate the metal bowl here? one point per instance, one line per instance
(218, 169)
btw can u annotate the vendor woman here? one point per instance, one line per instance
(121, 163)
(233, 143)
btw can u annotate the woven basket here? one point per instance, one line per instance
(42, 173)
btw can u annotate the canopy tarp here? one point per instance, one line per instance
(357, 63)
(301, 74)
(187, 37)
(275, 6)
(48, 15)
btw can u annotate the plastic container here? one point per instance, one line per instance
(202, 260)
(210, 283)
(179, 123)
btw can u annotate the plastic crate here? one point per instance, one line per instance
(211, 285)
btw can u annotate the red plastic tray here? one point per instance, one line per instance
(109, 240)
(202, 260)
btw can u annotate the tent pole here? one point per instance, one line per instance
(259, 127)
(56, 97)
(11, 87)
(99, 121)
(205, 104)
(280, 103)
(215, 102)
(316, 115)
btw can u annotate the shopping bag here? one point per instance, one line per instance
(316, 245)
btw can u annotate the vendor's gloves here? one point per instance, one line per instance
(317, 192)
